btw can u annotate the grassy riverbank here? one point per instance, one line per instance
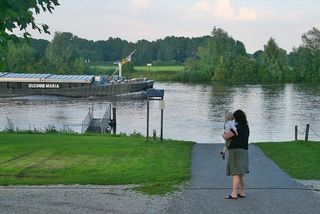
(44, 159)
(158, 73)
(298, 158)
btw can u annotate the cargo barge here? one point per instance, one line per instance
(22, 84)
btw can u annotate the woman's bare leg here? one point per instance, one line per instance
(242, 185)
(235, 184)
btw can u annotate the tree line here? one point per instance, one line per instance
(217, 57)
(69, 54)
(225, 59)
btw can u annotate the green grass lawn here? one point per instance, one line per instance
(104, 69)
(107, 67)
(172, 68)
(158, 73)
(298, 158)
(43, 159)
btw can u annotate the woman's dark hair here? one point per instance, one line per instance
(240, 117)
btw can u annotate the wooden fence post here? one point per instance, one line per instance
(154, 137)
(307, 132)
(296, 133)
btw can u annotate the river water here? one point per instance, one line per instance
(192, 112)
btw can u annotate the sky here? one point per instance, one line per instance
(252, 22)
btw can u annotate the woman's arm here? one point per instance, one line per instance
(228, 135)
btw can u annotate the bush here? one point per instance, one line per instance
(10, 126)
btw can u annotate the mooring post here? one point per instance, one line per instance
(154, 135)
(161, 132)
(162, 106)
(114, 119)
(307, 132)
(296, 133)
(147, 118)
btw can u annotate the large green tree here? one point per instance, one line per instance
(145, 52)
(216, 58)
(63, 55)
(274, 62)
(20, 57)
(244, 69)
(311, 40)
(25, 55)
(305, 59)
(19, 14)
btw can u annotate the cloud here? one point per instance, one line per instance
(224, 10)
(202, 6)
(292, 16)
(247, 14)
(140, 4)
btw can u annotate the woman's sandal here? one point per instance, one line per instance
(241, 196)
(230, 197)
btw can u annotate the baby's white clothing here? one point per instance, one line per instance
(230, 124)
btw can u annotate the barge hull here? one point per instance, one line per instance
(106, 91)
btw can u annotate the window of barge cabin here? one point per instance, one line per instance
(3, 85)
(12, 85)
(65, 85)
(76, 85)
(25, 85)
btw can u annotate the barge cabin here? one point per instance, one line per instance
(20, 84)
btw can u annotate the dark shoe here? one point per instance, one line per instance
(241, 196)
(223, 155)
(229, 197)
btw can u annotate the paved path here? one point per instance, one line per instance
(78, 199)
(270, 190)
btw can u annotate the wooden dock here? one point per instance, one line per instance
(97, 125)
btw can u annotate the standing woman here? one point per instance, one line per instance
(238, 161)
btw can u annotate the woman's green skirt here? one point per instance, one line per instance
(238, 162)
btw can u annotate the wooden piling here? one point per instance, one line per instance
(147, 119)
(154, 135)
(307, 132)
(114, 119)
(161, 126)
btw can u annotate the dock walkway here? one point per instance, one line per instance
(96, 125)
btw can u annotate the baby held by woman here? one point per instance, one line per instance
(228, 125)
